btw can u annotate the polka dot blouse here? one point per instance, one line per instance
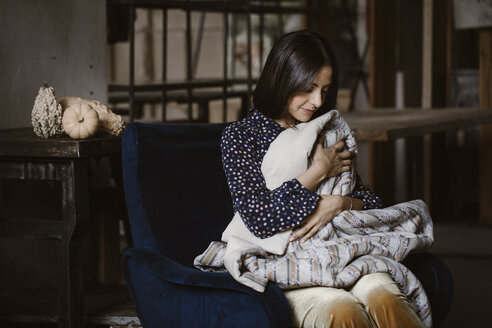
(265, 212)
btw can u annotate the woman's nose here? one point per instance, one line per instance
(316, 99)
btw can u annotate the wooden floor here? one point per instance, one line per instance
(467, 249)
(465, 246)
(106, 306)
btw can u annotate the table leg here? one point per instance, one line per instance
(76, 204)
(70, 291)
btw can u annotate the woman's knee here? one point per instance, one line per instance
(374, 283)
(384, 302)
(327, 307)
(389, 310)
(346, 314)
(380, 298)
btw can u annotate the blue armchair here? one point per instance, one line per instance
(178, 201)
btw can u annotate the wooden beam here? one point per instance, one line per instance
(427, 55)
(391, 124)
(485, 156)
(442, 188)
(382, 77)
(485, 68)
(382, 52)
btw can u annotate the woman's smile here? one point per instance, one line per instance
(308, 110)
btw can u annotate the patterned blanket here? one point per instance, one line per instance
(353, 244)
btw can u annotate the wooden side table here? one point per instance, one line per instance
(62, 165)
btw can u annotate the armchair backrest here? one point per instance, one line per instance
(175, 189)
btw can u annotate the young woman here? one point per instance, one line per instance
(298, 83)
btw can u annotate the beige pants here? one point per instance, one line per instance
(374, 301)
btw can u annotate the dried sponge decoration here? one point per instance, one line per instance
(46, 115)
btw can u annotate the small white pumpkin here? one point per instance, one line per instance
(80, 121)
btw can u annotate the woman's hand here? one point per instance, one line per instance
(332, 160)
(327, 162)
(328, 207)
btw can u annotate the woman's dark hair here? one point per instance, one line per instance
(291, 67)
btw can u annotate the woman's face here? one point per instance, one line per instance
(302, 106)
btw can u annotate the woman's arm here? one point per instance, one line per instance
(264, 212)
(328, 207)
(369, 199)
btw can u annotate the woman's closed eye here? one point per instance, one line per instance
(311, 89)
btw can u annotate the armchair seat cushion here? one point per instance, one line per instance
(179, 296)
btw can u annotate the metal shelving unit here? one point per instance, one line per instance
(192, 90)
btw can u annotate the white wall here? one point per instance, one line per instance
(62, 42)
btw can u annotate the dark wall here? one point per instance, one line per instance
(62, 42)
